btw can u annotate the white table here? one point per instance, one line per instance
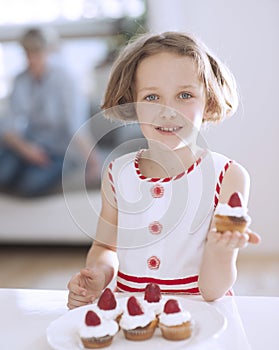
(25, 314)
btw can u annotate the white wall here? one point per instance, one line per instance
(245, 34)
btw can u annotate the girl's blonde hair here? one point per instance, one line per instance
(219, 83)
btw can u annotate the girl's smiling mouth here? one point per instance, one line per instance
(168, 129)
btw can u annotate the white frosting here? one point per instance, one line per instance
(105, 328)
(225, 210)
(174, 319)
(157, 307)
(109, 314)
(131, 322)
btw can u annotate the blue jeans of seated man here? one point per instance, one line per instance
(26, 179)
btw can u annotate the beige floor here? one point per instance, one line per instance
(51, 268)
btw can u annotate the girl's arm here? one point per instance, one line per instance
(101, 262)
(102, 254)
(218, 268)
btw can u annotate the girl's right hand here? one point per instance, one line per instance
(85, 287)
(77, 295)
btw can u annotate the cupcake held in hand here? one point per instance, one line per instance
(97, 333)
(137, 323)
(232, 216)
(174, 323)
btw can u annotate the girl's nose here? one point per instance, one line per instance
(168, 112)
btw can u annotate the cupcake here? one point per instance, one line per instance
(153, 298)
(174, 323)
(96, 333)
(232, 216)
(108, 307)
(137, 323)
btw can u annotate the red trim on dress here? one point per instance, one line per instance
(111, 180)
(124, 288)
(164, 179)
(219, 182)
(171, 282)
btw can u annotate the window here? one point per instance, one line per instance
(42, 11)
(90, 27)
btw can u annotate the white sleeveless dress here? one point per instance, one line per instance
(163, 222)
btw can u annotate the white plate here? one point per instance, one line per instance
(208, 322)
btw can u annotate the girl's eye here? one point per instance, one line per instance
(184, 95)
(151, 98)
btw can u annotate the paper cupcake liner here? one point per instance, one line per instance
(179, 332)
(97, 343)
(141, 333)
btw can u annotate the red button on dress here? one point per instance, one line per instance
(153, 262)
(155, 227)
(157, 191)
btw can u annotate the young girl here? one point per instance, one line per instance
(156, 222)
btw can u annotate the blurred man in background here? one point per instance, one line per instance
(45, 110)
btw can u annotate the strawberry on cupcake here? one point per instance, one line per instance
(108, 307)
(153, 298)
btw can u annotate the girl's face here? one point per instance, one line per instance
(172, 99)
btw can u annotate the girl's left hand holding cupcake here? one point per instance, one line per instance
(232, 240)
